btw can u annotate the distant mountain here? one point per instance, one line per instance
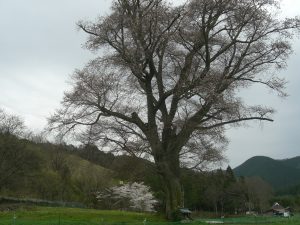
(293, 162)
(281, 174)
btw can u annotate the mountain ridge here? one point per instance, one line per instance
(280, 174)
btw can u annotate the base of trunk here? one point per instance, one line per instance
(173, 196)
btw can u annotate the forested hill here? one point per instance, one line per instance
(33, 169)
(59, 172)
(64, 173)
(47, 171)
(280, 174)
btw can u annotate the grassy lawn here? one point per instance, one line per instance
(295, 220)
(72, 216)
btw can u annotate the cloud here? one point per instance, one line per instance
(40, 48)
(280, 138)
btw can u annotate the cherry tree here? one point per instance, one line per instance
(137, 195)
(166, 81)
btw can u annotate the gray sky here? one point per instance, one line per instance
(40, 47)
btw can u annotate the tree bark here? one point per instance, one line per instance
(169, 172)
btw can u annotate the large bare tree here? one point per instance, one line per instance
(166, 80)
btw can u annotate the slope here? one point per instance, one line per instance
(49, 172)
(279, 173)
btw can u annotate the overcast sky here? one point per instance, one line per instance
(40, 47)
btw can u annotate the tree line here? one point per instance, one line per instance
(35, 168)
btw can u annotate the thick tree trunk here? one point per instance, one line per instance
(173, 195)
(169, 173)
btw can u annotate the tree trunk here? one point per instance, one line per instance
(169, 172)
(172, 189)
(216, 208)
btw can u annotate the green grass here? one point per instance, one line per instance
(261, 220)
(73, 216)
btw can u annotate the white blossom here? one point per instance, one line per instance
(138, 196)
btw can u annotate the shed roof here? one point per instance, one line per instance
(184, 210)
(277, 206)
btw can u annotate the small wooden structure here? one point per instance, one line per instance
(186, 213)
(278, 210)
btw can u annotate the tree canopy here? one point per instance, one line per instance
(11, 124)
(166, 81)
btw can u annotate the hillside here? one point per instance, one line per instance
(47, 171)
(279, 173)
(293, 162)
(65, 173)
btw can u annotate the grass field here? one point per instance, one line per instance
(72, 216)
(295, 220)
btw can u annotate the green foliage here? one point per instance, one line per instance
(292, 201)
(48, 171)
(258, 194)
(66, 173)
(16, 161)
(217, 191)
(92, 154)
(194, 185)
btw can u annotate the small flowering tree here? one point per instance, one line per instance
(134, 196)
